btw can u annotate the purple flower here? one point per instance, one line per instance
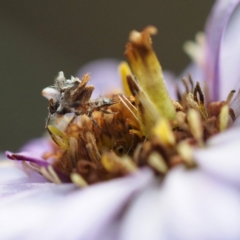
(201, 203)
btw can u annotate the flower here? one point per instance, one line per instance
(201, 203)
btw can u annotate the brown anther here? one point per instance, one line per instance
(198, 94)
(185, 83)
(191, 82)
(178, 93)
(232, 114)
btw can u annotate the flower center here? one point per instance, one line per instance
(112, 136)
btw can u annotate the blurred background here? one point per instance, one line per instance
(39, 38)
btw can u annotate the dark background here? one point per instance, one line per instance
(38, 38)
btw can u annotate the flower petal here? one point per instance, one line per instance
(38, 146)
(27, 156)
(104, 76)
(11, 173)
(221, 160)
(189, 205)
(29, 207)
(223, 49)
(55, 212)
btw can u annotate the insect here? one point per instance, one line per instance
(74, 96)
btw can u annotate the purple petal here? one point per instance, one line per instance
(31, 157)
(223, 49)
(55, 212)
(104, 76)
(26, 156)
(189, 205)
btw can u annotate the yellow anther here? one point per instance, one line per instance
(164, 132)
(78, 180)
(223, 118)
(156, 161)
(59, 137)
(195, 125)
(186, 152)
(125, 70)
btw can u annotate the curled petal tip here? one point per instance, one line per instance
(25, 156)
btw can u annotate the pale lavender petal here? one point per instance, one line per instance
(170, 80)
(11, 173)
(104, 76)
(189, 205)
(38, 146)
(227, 137)
(223, 48)
(54, 213)
(222, 160)
(22, 194)
(237, 122)
(196, 73)
(29, 208)
(10, 191)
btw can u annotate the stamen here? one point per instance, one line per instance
(177, 106)
(195, 125)
(72, 152)
(185, 83)
(92, 148)
(128, 105)
(197, 104)
(164, 132)
(181, 120)
(157, 162)
(46, 174)
(223, 117)
(59, 137)
(198, 94)
(54, 175)
(136, 132)
(232, 114)
(78, 180)
(125, 70)
(132, 123)
(191, 82)
(179, 95)
(191, 102)
(186, 152)
(116, 165)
